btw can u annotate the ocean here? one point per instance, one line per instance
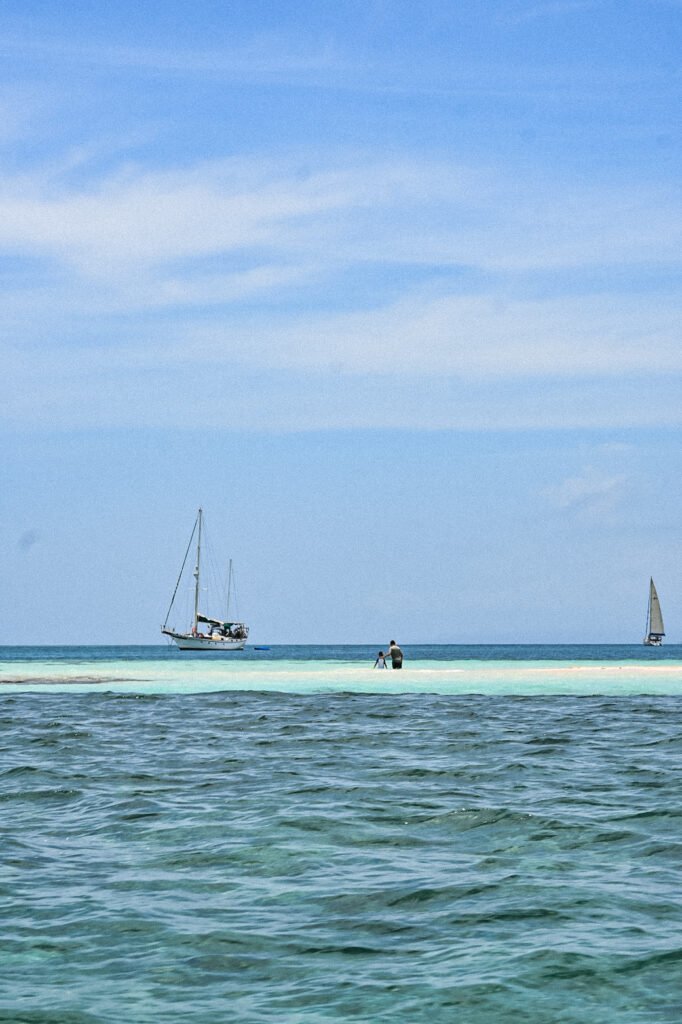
(491, 836)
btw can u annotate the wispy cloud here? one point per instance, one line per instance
(142, 218)
(525, 11)
(267, 56)
(406, 212)
(252, 261)
(593, 492)
(102, 388)
(448, 261)
(468, 337)
(310, 61)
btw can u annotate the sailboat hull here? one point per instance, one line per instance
(187, 642)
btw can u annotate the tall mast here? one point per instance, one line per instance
(196, 574)
(229, 589)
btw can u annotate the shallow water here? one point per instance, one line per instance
(518, 670)
(325, 855)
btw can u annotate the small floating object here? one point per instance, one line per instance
(261, 648)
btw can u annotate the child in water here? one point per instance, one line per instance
(381, 660)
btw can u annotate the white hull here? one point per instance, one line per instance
(651, 642)
(187, 642)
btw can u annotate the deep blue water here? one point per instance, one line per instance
(324, 857)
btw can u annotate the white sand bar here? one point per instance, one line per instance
(464, 677)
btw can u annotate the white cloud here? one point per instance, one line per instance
(593, 492)
(139, 218)
(265, 56)
(468, 337)
(393, 212)
(239, 266)
(102, 386)
(515, 13)
(471, 337)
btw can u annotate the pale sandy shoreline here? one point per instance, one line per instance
(472, 677)
(631, 669)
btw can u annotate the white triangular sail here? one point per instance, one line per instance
(656, 626)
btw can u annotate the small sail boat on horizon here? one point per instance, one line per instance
(655, 630)
(205, 633)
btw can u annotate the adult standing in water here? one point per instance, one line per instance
(395, 654)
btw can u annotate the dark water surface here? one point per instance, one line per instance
(319, 858)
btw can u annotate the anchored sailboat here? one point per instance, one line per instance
(205, 633)
(655, 630)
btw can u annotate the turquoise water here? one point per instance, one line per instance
(516, 670)
(283, 838)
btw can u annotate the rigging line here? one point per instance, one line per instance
(215, 588)
(214, 582)
(194, 530)
(234, 591)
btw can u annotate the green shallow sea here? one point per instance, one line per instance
(428, 669)
(490, 836)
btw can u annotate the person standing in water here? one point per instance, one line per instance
(381, 661)
(395, 654)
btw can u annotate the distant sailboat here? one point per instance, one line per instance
(205, 633)
(655, 630)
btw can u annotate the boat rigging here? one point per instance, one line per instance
(205, 632)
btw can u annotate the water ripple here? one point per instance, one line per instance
(259, 857)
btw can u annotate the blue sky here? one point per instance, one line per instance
(391, 289)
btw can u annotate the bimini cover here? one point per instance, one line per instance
(212, 622)
(218, 624)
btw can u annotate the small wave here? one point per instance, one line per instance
(665, 958)
(39, 795)
(21, 769)
(654, 813)
(464, 819)
(52, 1016)
(553, 965)
(446, 894)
